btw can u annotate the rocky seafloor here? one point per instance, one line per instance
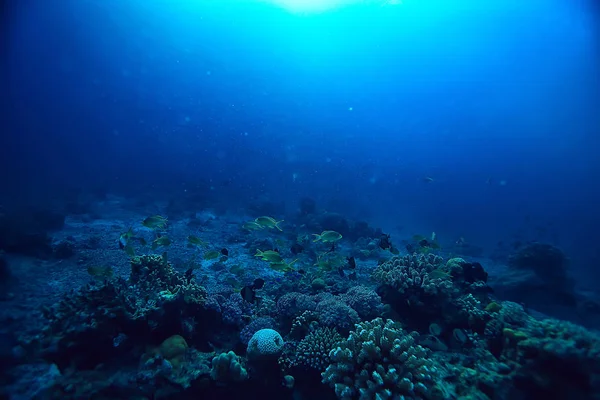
(84, 319)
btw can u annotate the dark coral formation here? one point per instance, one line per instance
(424, 289)
(379, 360)
(538, 275)
(313, 351)
(444, 337)
(155, 301)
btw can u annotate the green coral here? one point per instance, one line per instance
(227, 368)
(493, 307)
(83, 324)
(313, 351)
(379, 360)
(414, 273)
(153, 277)
(558, 356)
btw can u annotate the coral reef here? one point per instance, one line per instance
(412, 273)
(155, 300)
(313, 351)
(553, 358)
(364, 300)
(308, 333)
(264, 345)
(254, 326)
(336, 314)
(227, 369)
(538, 275)
(379, 360)
(422, 288)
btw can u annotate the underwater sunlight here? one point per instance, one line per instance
(299, 199)
(311, 6)
(320, 6)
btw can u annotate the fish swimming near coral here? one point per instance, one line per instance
(195, 241)
(248, 292)
(258, 283)
(129, 250)
(155, 222)
(125, 238)
(189, 274)
(282, 266)
(211, 255)
(252, 226)
(351, 262)
(100, 272)
(296, 248)
(439, 273)
(269, 255)
(161, 241)
(385, 242)
(327, 237)
(268, 222)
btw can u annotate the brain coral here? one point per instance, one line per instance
(265, 344)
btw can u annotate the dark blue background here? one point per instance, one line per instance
(242, 102)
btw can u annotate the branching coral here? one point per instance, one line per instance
(254, 326)
(379, 360)
(422, 288)
(313, 351)
(414, 272)
(292, 304)
(554, 358)
(227, 369)
(155, 299)
(335, 314)
(365, 301)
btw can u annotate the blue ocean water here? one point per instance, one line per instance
(473, 125)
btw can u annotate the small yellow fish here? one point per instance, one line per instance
(252, 226)
(125, 238)
(269, 255)
(302, 237)
(282, 266)
(268, 222)
(100, 272)
(211, 255)
(327, 237)
(233, 282)
(439, 274)
(155, 222)
(129, 250)
(195, 241)
(161, 241)
(237, 269)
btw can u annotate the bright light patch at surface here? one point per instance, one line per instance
(313, 6)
